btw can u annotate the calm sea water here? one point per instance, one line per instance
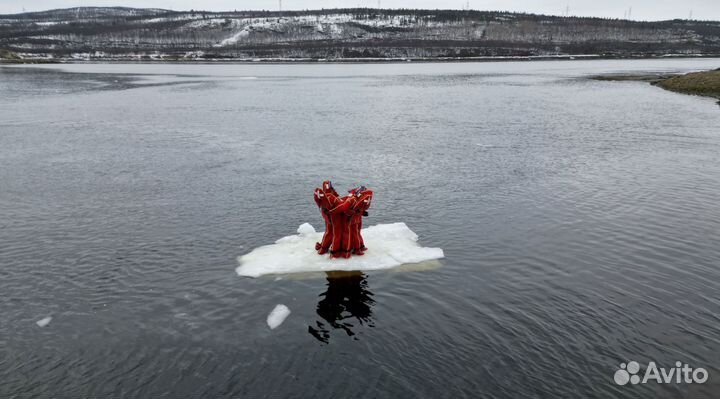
(580, 221)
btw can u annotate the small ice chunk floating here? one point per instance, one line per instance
(44, 322)
(343, 220)
(277, 316)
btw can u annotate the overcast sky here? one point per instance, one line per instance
(641, 9)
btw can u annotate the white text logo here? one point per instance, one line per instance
(680, 374)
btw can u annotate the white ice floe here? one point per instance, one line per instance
(44, 322)
(389, 245)
(277, 316)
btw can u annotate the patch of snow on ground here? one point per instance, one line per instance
(305, 229)
(235, 37)
(214, 23)
(194, 54)
(156, 20)
(277, 316)
(389, 245)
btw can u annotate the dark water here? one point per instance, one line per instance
(580, 222)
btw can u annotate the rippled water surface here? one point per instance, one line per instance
(580, 221)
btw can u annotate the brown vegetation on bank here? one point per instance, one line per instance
(705, 83)
(698, 83)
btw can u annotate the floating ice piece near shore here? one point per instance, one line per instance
(44, 322)
(389, 245)
(277, 316)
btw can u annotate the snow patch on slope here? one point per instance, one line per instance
(235, 37)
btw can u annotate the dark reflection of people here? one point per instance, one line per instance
(345, 299)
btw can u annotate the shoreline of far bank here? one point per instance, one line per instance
(19, 59)
(704, 83)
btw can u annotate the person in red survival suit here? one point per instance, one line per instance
(326, 198)
(362, 201)
(354, 207)
(339, 222)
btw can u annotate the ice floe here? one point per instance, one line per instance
(277, 316)
(44, 322)
(389, 245)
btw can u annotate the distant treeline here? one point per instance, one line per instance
(344, 33)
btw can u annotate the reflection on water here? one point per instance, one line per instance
(346, 297)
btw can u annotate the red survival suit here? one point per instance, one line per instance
(353, 207)
(326, 198)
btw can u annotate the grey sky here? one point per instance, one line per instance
(641, 9)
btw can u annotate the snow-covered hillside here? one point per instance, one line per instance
(342, 33)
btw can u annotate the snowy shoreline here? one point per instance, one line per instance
(171, 59)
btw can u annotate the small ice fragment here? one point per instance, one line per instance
(277, 316)
(44, 322)
(305, 229)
